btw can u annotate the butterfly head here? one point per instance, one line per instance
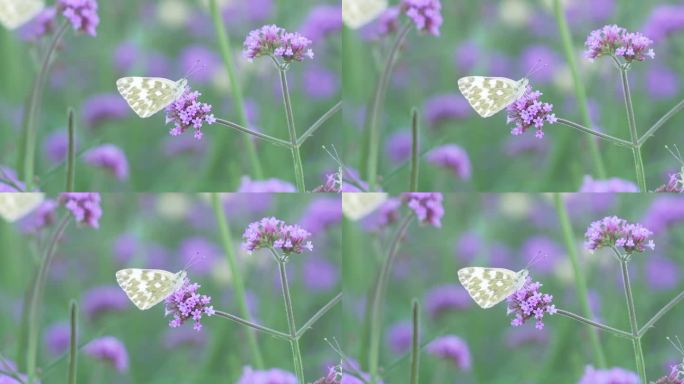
(523, 274)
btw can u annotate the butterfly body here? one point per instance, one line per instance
(15, 13)
(489, 95)
(148, 287)
(490, 286)
(149, 95)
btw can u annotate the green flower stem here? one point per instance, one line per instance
(376, 108)
(37, 293)
(236, 274)
(261, 328)
(289, 311)
(263, 136)
(580, 93)
(615, 331)
(415, 348)
(73, 326)
(236, 90)
(661, 313)
(413, 185)
(322, 120)
(378, 299)
(579, 127)
(30, 134)
(71, 152)
(294, 147)
(651, 131)
(321, 312)
(580, 283)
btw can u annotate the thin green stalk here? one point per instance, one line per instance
(615, 331)
(651, 131)
(376, 108)
(605, 136)
(73, 326)
(580, 283)
(37, 293)
(580, 92)
(322, 120)
(415, 348)
(71, 152)
(636, 340)
(263, 136)
(236, 90)
(236, 274)
(636, 149)
(260, 328)
(661, 313)
(321, 312)
(413, 186)
(33, 109)
(296, 156)
(378, 299)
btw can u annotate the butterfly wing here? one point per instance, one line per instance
(489, 286)
(147, 287)
(489, 95)
(15, 205)
(148, 95)
(357, 205)
(14, 13)
(357, 13)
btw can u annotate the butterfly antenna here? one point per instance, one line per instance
(193, 261)
(343, 170)
(536, 67)
(676, 154)
(535, 259)
(194, 68)
(677, 344)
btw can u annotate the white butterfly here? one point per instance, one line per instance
(15, 13)
(147, 287)
(356, 205)
(149, 95)
(357, 13)
(489, 95)
(490, 286)
(679, 368)
(15, 205)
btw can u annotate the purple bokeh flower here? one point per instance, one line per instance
(452, 348)
(529, 303)
(453, 157)
(385, 24)
(398, 146)
(248, 185)
(57, 338)
(109, 349)
(82, 14)
(613, 231)
(270, 376)
(468, 245)
(662, 274)
(43, 24)
(102, 107)
(7, 365)
(84, 206)
(447, 297)
(187, 112)
(208, 60)
(100, 300)
(208, 252)
(613, 184)
(426, 14)
(386, 214)
(186, 304)
(444, 107)
(41, 217)
(613, 40)
(664, 212)
(664, 20)
(125, 56)
(319, 274)
(614, 375)
(467, 55)
(271, 232)
(521, 336)
(320, 83)
(271, 40)
(543, 246)
(9, 182)
(125, 247)
(322, 21)
(399, 337)
(321, 214)
(110, 157)
(543, 59)
(253, 11)
(184, 337)
(661, 82)
(56, 146)
(528, 111)
(426, 205)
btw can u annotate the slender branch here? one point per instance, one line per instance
(263, 136)
(296, 156)
(605, 136)
(661, 313)
(615, 331)
(415, 338)
(631, 121)
(321, 312)
(413, 185)
(71, 152)
(322, 120)
(73, 325)
(260, 328)
(651, 131)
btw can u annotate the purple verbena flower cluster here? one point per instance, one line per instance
(528, 302)
(271, 40)
(109, 157)
(613, 231)
(427, 206)
(85, 206)
(453, 157)
(528, 111)
(186, 303)
(82, 14)
(426, 14)
(109, 349)
(271, 232)
(613, 40)
(186, 112)
(453, 348)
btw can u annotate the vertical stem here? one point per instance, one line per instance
(238, 285)
(235, 88)
(580, 283)
(376, 108)
(73, 359)
(294, 341)
(71, 153)
(415, 339)
(636, 341)
(634, 135)
(413, 187)
(296, 157)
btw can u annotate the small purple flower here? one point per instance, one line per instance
(613, 231)
(427, 206)
(528, 111)
(398, 146)
(426, 14)
(664, 21)
(399, 337)
(102, 107)
(43, 24)
(271, 232)
(56, 146)
(444, 107)
(452, 348)
(321, 214)
(613, 40)
(468, 246)
(186, 304)
(453, 157)
(607, 185)
(82, 14)
(661, 82)
(447, 297)
(529, 303)
(320, 83)
(85, 206)
(110, 157)
(100, 300)
(614, 375)
(41, 217)
(664, 212)
(319, 274)
(110, 349)
(662, 274)
(322, 21)
(125, 247)
(248, 185)
(271, 40)
(57, 338)
(270, 376)
(186, 112)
